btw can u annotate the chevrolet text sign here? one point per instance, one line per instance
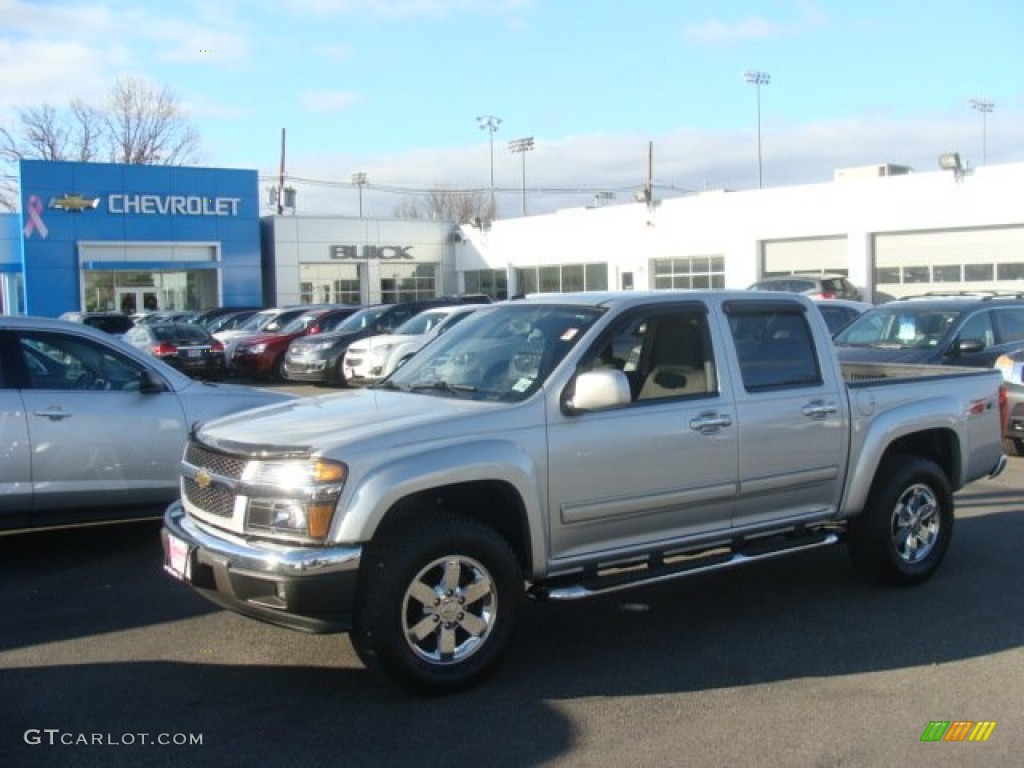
(383, 252)
(173, 205)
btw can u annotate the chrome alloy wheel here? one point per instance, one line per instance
(449, 609)
(915, 523)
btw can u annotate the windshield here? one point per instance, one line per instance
(300, 323)
(899, 328)
(257, 321)
(364, 318)
(501, 353)
(421, 323)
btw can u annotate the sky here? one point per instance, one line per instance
(394, 89)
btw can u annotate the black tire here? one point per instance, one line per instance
(339, 372)
(1013, 446)
(451, 578)
(278, 369)
(906, 527)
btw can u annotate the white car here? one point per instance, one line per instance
(371, 359)
(92, 428)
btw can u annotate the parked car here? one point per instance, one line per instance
(230, 321)
(189, 348)
(321, 359)
(375, 357)
(93, 429)
(262, 356)
(166, 316)
(1011, 365)
(115, 323)
(839, 313)
(207, 317)
(812, 286)
(970, 330)
(265, 321)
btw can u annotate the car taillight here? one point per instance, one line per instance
(827, 295)
(164, 348)
(216, 346)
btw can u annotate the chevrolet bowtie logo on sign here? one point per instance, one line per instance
(74, 203)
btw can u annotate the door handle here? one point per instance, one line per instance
(709, 422)
(819, 409)
(55, 413)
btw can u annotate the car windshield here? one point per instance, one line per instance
(899, 327)
(179, 332)
(258, 321)
(421, 323)
(300, 323)
(502, 353)
(364, 318)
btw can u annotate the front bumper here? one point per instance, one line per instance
(305, 588)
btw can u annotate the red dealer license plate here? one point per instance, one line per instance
(178, 562)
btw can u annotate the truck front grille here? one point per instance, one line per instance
(213, 499)
(213, 462)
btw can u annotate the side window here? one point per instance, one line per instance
(664, 354)
(978, 327)
(775, 349)
(58, 362)
(1009, 325)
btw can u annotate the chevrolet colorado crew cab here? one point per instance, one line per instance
(563, 446)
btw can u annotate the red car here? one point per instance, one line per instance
(262, 356)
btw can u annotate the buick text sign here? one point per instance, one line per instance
(382, 252)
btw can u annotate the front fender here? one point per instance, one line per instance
(388, 482)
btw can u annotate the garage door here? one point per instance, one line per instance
(815, 255)
(911, 263)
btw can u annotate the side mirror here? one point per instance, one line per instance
(594, 390)
(970, 346)
(150, 383)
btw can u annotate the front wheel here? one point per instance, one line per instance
(906, 527)
(437, 603)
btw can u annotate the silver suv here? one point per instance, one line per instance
(812, 286)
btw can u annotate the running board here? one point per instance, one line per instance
(660, 568)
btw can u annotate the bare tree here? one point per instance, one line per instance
(446, 203)
(141, 124)
(146, 125)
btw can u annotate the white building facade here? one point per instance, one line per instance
(893, 235)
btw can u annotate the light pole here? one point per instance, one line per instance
(522, 146)
(758, 78)
(359, 179)
(490, 123)
(985, 107)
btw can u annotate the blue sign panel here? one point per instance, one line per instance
(79, 220)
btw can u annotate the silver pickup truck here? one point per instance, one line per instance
(564, 446)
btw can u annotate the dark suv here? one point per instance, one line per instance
(318, 359)
(937, 329)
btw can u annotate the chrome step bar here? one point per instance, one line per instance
(593, 584)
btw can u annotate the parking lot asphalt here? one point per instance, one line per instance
(792, 662)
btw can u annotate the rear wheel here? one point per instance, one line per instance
(437, 603)
(906, 527)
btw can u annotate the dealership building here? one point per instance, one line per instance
(99, 236)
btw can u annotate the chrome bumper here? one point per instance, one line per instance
(304, 588)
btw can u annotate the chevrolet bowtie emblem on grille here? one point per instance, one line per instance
(74, 203)
(203, 478)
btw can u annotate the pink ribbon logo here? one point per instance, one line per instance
(35, 221)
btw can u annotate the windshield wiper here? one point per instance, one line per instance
(441, 386)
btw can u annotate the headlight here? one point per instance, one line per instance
(294, 497)
(254, 349)
(317, 347)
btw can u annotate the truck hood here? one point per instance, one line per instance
(358, 417)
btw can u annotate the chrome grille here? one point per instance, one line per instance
(214, 463)
(214, 499)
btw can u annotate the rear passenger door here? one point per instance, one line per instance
(791, 413)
